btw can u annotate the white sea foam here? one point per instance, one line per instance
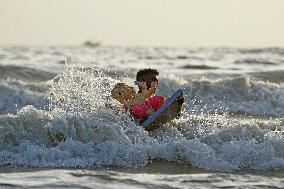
(237, 95)
(30, 138)
(79, 131)
(17, 94)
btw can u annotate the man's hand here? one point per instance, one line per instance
(154, 86)
(180, 100)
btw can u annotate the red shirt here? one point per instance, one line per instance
(152, 103)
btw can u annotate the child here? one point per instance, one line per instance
(137, 104)
(126, 95)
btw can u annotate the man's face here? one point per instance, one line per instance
(148, 82)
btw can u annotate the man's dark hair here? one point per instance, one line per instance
(146, 74)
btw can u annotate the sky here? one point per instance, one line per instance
(179, 23)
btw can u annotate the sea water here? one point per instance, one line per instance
(55, 130)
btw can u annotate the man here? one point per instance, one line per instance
(147, 81)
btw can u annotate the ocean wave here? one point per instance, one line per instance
(33, 138)
(255, 61)
(199, 67)
(236, 95)
(64, 122)
(24, 73)
(17, 94)
(79, 131)
(271, 76)
(261, 50)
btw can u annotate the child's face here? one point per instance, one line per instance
(125, 93)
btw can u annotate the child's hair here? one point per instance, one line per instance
(121, 90)
(115, 92)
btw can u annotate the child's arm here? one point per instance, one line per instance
(136, 100)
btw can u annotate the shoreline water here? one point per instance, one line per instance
(156, 175)
(155, 167)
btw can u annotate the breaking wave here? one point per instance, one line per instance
(79, 131)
